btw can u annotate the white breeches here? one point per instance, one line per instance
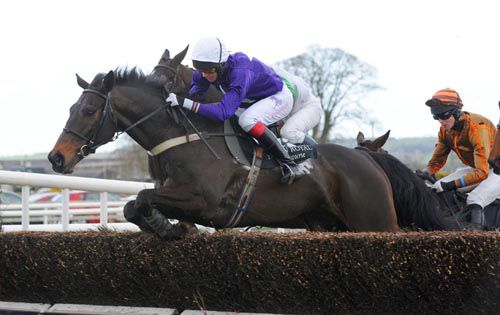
(268, 110)
(306, 112)
(486, 191)
(302, 119)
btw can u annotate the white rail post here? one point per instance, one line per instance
(65, 210)
(104, 209)
(25, 217)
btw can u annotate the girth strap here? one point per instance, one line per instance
(249, 188)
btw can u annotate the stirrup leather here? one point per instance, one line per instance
(288, 174)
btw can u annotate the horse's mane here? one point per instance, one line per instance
(412, 196)
(136, 77)
(132, 77)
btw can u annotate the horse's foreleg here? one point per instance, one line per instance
(152, 207)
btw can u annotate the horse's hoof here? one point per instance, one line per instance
(158, 222)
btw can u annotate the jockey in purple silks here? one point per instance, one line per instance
(243, 80)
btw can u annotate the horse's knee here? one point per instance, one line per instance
(142, 204)
(130, 212)
(132, 215)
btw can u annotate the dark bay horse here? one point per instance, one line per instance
(408, 188)
(494, 158)
(204, 190)
(346, 189)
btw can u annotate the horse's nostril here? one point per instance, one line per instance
(57, 159)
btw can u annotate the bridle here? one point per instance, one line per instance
(175, 71)
(90, 146)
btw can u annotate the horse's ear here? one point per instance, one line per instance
(108, 81)
(166, 55)
(180, 56)
(81, 82)
(380, 141)
(360, 138)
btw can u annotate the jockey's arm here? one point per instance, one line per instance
(439, 156)
(222, 110)
(199, 85)
(230, 101)
(481, 142)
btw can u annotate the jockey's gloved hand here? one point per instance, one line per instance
(444, 186)
(424, 175)
(425, 171)
(172, 98)
(449, 185)
(176, 100)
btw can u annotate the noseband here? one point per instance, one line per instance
(90, 146)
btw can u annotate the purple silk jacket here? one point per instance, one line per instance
(241, 79)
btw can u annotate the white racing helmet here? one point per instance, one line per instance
(208, 53)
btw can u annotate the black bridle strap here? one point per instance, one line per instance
(143, 119)
(92, 91)
(76, 133)
(174, 70)
(91, 146)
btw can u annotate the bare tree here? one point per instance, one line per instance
(339, 79)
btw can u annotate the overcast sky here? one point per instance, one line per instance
(418, 47)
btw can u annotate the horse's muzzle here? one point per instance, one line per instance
(57, 161)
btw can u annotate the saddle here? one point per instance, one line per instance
(242, 146)
(456, 202)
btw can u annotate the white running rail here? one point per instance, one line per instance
(27, 180)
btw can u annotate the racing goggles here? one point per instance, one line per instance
(444, 115)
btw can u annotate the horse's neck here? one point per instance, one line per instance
(131, 106)
(162, 125)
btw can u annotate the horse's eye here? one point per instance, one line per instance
(89, 112)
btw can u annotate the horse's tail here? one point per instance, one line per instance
(416, 204)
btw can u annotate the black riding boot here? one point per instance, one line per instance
(476, 217)
(272, 145)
